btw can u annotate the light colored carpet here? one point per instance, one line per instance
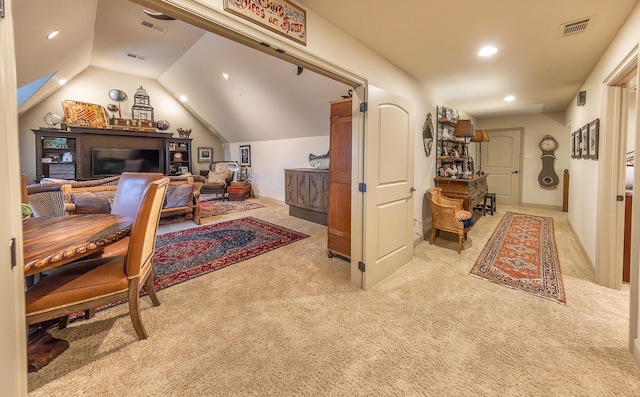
(289, 323)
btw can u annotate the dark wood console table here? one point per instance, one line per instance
(471, 191)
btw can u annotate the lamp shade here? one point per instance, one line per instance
(481, 136)
(464, 129)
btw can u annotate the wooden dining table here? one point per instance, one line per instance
(53, 242)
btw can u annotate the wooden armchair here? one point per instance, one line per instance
(448, 214)
(92, 283)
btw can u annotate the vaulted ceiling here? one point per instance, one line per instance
(264, 99)
(434, 41)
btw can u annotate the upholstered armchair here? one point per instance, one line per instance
(218, 177)
(448, 214)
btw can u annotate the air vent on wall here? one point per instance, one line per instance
(136, 56)
(153, 26)
(570, 28)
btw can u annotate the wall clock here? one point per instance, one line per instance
(548, 179)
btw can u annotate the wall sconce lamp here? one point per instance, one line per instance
(481, 136)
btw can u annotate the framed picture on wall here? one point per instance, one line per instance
(245, 156)
(205, 155)
(584, 141)
(573, 145)
(577, 135)
(594, 135)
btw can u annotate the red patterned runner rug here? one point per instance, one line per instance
(521, 253)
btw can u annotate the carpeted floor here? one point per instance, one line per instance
(210, 208)
(290, 323)
(521, 253)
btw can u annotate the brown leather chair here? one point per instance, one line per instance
(448, 214)
(129, 192)
(91, 283)
(218, 178)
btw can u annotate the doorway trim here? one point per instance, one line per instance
(611, 183)
(217, 21)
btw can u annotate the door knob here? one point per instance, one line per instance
(514, 172)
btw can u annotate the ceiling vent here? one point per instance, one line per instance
(153, 26)
(136, 56)
(575, 27)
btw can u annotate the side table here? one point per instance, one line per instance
(238, 191)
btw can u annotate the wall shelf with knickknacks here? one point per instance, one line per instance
(178, 159)
(452, 149)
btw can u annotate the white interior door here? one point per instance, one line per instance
(501, 161)
(388, 201)
(13, 345)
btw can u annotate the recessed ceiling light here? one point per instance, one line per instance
(183, 98)
(509, 98)
(225, 76)
(52, 34)
(62, 82)
(487, 51)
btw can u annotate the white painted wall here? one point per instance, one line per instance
(269, 159)
(536, 126)
(584, 173)
(93, 85)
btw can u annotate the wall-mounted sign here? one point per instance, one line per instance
(279, 16)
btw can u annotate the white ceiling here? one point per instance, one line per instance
(436, 41)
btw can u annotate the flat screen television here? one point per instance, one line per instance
(110, 162)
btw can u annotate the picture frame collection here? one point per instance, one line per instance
(585, 141)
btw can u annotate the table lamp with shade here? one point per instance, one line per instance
(233, 167)
(481, 136)
(465, 130)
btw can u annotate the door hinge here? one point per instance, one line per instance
(363, 107)
(2, 9)
(361, 266)
(14, 261)
(362, 187)
(619, 198)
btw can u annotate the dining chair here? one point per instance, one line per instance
(92, 283)
(129, 192)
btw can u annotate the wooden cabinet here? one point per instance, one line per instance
(339, 212)
(69, 154)
(471, 191)
(306, 193)
(178, 156)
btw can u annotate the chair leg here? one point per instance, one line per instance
(459, 243)
(134, 312)
(433, 235)
(151, 289)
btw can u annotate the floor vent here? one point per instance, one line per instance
(575, 27)
(153, 26)
(136, 56)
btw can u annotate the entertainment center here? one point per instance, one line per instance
(86, 153)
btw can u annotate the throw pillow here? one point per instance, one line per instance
(178, 196)
(92, 202)
(217, 177)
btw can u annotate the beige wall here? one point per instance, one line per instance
(93, 85)
(535, 126)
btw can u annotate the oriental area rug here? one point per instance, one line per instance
(190, 253)
(521, 253)
(221, 207)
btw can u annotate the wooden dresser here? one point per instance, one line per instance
(339, 214)
(471, 191)
(306, 192)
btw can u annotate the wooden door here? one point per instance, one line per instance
(501, 161)
(389, 169)
(339, 210)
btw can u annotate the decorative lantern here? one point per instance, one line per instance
(141, 109)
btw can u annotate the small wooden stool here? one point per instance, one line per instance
(492, 204)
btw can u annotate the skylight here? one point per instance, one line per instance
(26, 91)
